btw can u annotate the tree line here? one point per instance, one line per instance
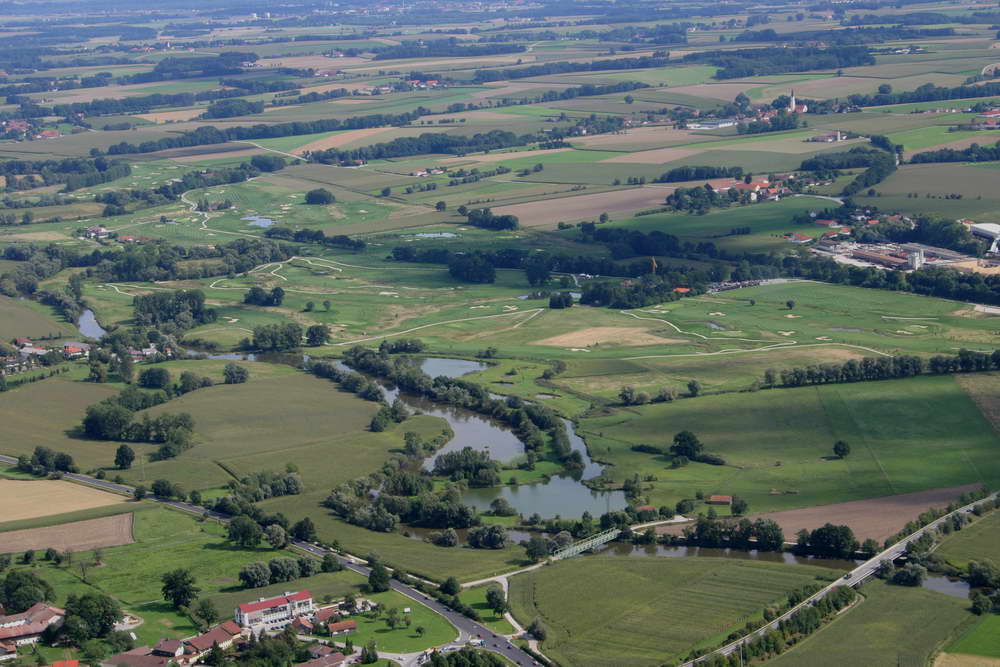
(741, 63)
(974, 153)
(848, 37)
(449, 48)
(564, 67)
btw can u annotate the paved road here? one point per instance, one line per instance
(467, 628)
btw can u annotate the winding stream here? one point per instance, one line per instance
(562, 495)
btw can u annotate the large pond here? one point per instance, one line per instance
(88, 326)
(562, 495)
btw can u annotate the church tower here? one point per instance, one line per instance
(791, 103)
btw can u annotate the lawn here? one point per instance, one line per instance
(892, 626)
(979, 541)
(404, 639)
(981, 639)
(475, 597)
(906, 436)
(19, 318)
(646, 611)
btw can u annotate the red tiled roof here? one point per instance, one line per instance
(331, 660)
(249, 607)
(66, 663)
(217, 635)
(682, 290)
(720, 499)
(343, 625)
(38, 617)
(300, 596)
(326, 613)
(645, 508)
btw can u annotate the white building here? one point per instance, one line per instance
(271, 614)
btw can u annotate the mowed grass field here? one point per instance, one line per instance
(646, 611)
(892, 626)
(29, 319)
(979, 541)
(906, 436)
(982, 639)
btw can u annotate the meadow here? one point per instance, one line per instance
(979, 541)
(893, 625)
(982, 639)
(30, 319)
(906, 435)
(603, 610)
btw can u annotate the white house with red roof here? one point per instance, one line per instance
(28, 626)
(271, 614)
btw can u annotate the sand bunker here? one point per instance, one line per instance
(613, 335)
(786, 333)
(793, 317)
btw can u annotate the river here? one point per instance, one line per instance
(88, 325)
(562, 495)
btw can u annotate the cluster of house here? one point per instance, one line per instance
(29, 351)
(756, 190)
(434, 171)
(25, 129)
(101, 232)
(266, 615)
(756, 114)
(988, 120)
(27, 627)
(829, 138)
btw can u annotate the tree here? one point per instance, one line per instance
(686, 444)
(90, 616)
(179, 588)
(206, 611)
(386, 192)
(309, 306)
(441, 206)
(317, 334)
(330, 564)
(392, 618)
(420, 630)
(326, 305)
(739, 506)
(126, 369)
(450, 586)
(245, 532)
(694, 387)
(369, 654)
(536, 548)
(537, 630)
(304, 530)
(833, 541)
(790, 304)
(155, 378)
(841, 449)
(139, 492)
(320, 197)
(378, 578)
(124, 456)
(496, 600)
(276, 536)
(235, 374)
(255, 575)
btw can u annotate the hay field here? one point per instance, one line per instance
(648, 610)
(170, 116)
(613, 335)
(547, 213)
(19, 318)
(340, 139)
(109, 531)
(892, 626)
(655, 156)
(31, 499)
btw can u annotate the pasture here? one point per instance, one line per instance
(893, 625)
(979, 541)
(648, 610)
(30, 319)
(982, 640)
(906, 436)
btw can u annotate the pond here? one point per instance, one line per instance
(436, 235)
(259, 221)
(564, 495)
(88, 325)
(956, 588)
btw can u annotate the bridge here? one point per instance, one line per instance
(855, 577)
(587, 544)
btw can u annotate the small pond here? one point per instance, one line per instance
(88, 326)
(436, 235)
(259, 221)
(956, 588)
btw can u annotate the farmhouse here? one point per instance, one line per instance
(720, 500)
(7, 651)
(331, 660)
(342, 627)
(224, 635)
(28, 626)
(274, 613)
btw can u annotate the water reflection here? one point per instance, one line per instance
(88, 326)
(956, 588)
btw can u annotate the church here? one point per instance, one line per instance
(796, 108)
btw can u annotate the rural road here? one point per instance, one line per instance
(467, 628)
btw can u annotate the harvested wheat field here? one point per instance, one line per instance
(635, 138)
(500, 157)
(548, 212)
(32, 499)
(109, 531)
(219, 155)
(341, 139)
(877, 518)
(657, 156)
(168, 116)
(316, 62)
(613, 335)
(964, 660)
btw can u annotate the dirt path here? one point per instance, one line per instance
(110, 531)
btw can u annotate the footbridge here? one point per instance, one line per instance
(581, 546)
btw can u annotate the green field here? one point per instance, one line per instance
(30, 319)
(982, 639)
(643, 611)
(979, 541)
(892, 626)
(781, 439)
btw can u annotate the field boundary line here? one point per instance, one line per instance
(534, 311)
